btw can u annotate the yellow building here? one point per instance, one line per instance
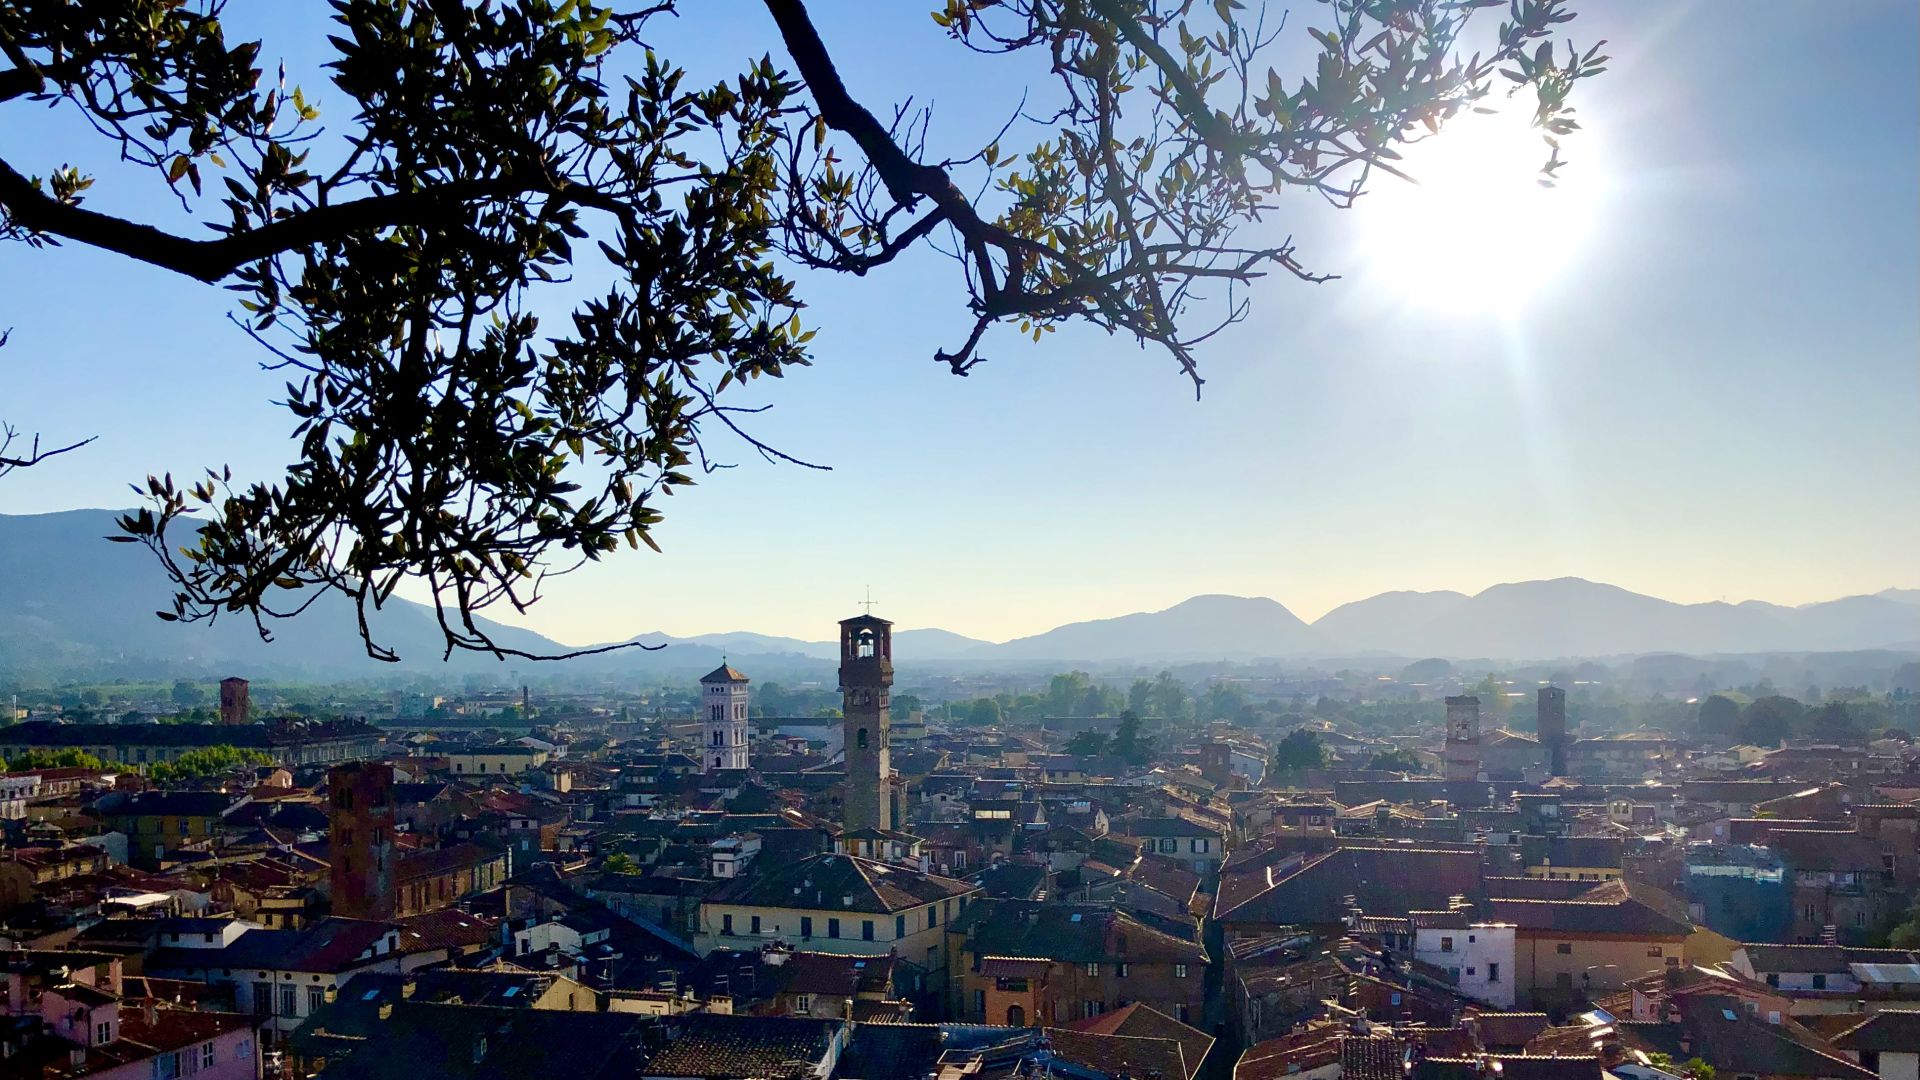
(495, 760)
(1566, 949)
(1573, 858)
(835, 903)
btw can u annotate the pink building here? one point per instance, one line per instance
(88, 1030)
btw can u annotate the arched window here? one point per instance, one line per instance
(860, 739)
(1016, 1016)
(864, 646)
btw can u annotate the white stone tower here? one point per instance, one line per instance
(723, 713)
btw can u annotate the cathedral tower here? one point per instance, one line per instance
(866, 673)
(723, 715)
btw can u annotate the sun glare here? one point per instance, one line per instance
(1476, 232)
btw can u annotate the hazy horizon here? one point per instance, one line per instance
(1710, 396)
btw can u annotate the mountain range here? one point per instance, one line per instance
(72, 604)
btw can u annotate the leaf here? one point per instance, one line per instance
(176, 168)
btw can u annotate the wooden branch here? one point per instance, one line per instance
(212, 260)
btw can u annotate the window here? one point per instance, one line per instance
(262, 999)
(1169, 844)
(1565, 948)
(803, 1003)
(1493, 973)
(899, 926)
(1453, 975)
(754, 924)
(316, 997)
(289, 1001)
(1093, 972)
(1773, 979)
(806, 926)
(1446, 944)
(103, 1033)
(726, 924)
(1655, 950)
(1819, 982)
(1183, 1012)
(206, 1056)
(1470, 973)
(980, 1003)
(1179, 971)
(933, 915)
(1120, 969)
(866, 929)
(1016, 1016)
(833, 928)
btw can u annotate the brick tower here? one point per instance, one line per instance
(1551, 724)
(866, 673)
(233, 701)
(723, 716)
(1462, 754)
(360, 839)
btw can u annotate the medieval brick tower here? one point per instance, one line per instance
(1551, 723)
(723, 719)
(866, 673)
(233, 701)
(1462, 753)
(360, 836)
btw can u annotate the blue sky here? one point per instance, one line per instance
(1715, 396)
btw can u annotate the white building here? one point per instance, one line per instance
(723, 713)
(1477, 957)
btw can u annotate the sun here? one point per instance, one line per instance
(1476, 231)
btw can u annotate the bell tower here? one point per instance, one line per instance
(866, 674)
(723, 715)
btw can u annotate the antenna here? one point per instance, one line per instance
(869, 601)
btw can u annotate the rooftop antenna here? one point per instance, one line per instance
(869, 601)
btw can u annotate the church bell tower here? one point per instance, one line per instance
(866, 674)
(723, 708)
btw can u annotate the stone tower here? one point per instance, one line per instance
(1462, 754)
(1551, 723)
(723, 719)
(233, 701)
(866, 673)
(360, 839)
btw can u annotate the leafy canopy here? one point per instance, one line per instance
(479, 151)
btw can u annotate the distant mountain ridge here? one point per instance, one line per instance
(70, 603)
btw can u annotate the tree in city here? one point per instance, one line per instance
(1127, 742)
(1088, 743)
(620, 863)
(1833, 721)
(985, 712)
(1768, 720)
(41, 758)
(207, 763)
(1299, 751)
(484, 159)
(1398, 759)
(1222, 701)
(1719, 717)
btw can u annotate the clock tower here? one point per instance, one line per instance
(866, 676)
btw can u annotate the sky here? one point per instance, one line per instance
(1706, 390)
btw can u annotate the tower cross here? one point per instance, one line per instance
(869, 601)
